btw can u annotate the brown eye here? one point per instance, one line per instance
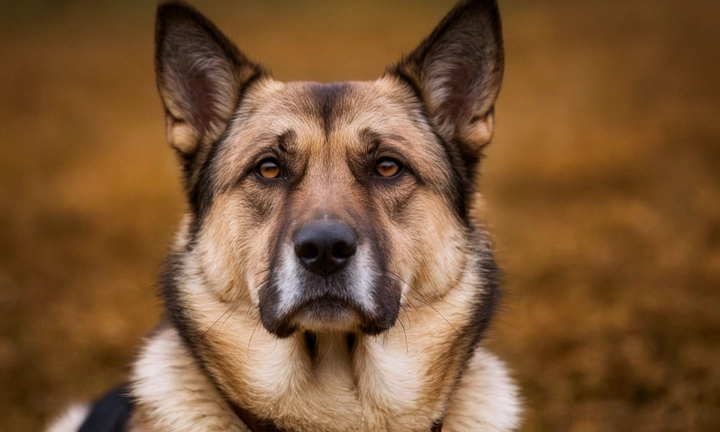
(268, 169)
(387, 167)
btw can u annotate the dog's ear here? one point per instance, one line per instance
(200, 74)
(458, 70)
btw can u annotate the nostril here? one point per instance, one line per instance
(307, 251)
(343, 250)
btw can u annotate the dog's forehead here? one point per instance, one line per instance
(317, 112)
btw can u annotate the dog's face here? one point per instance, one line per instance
(330, 198)
(327, 206)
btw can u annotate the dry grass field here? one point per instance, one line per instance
(603, 190)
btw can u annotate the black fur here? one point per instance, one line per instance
(111, 413)
(328, 103)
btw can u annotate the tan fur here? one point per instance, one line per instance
(401, 351)
(485, 400)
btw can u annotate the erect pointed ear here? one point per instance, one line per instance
(200, 74)
(458, 70)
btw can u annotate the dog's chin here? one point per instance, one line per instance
(320, 315)
(326, 315)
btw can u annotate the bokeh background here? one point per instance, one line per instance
(603, 190)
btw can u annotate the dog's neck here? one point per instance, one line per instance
(354, 381)
(325, 350)
(173, 394)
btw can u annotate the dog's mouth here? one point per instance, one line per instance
(326, 309)
(324, 314)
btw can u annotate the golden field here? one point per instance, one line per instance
(602, 183)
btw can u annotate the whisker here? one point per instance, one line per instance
(231, 308)
(410, 286)
(228, 317)
(275, 347)
(418, 296)
(247, 314)
(398, 278)
(262, 271)
(252, 309)
(251, 337)
(407, 349)
(407, 315)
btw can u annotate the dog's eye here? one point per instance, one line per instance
(388, 167)
(268, 168)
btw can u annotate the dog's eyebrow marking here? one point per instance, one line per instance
(287, 142)
(264, 138)
(373, 140)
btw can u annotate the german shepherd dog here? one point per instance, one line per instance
(332, 274)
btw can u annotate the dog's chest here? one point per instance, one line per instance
(369, 389)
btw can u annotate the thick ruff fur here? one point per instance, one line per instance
(332, 274)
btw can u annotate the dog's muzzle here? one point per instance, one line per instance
(325, 278)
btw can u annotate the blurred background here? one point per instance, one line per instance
(603, 190)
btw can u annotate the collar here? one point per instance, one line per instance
(252, 422)
(257, 425)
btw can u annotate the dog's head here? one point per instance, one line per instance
(327, 205)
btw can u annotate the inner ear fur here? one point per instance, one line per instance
(200, 74)
(458, 71)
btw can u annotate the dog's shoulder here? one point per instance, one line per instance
(486, 398)
(172, 391)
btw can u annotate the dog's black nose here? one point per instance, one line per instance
(324, 247)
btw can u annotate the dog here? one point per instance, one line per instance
(333, 273)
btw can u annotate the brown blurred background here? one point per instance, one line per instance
(603, 189)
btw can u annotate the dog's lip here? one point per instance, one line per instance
(325, 312)
(324, 306)
(329, 300)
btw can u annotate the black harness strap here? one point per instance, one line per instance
(109, 414)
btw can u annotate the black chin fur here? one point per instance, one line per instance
(311, 344)
(351, 339)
